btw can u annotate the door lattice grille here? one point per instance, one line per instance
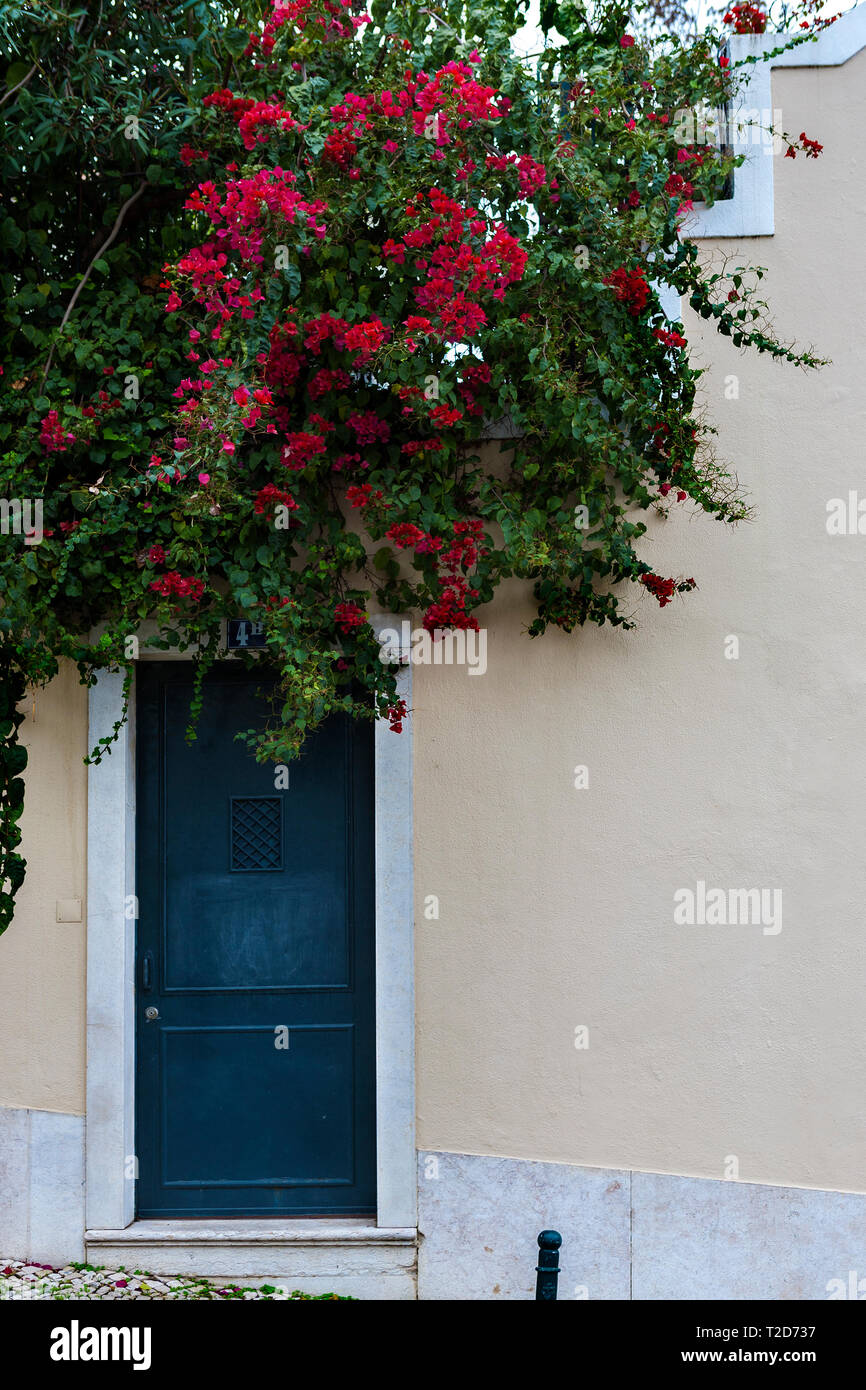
(257, 833)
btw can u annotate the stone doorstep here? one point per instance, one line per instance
(341, 1256)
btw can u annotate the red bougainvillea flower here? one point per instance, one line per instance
(369, 427)
(428, 545)
(327, 380)
(746, 19)
(349, 616)
(678, 187)
(670, 338)
(300, 447)
(661, 589)
(156, 555)
(464, 551)
(363, 495)
(256, 120)
(664, 589)
(396, 714)
(531, 176)
(270, 497)
(464, 259)
(405, 535)
(366, 338)
(445, 415)
(174, 584)
(295, 13)
(52, 436)
(421, 446)
(322, 329)
(630, 288)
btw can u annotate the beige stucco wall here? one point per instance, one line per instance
(556, 904)
(42, 961)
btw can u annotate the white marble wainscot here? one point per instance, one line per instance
(706, 1238)
(647, 1236)
(479, 1219)
(41, 1186)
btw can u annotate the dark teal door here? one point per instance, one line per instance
(254, 970)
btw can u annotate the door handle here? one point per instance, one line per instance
(151, 1014)
(147, 972)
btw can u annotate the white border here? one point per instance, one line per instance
(110, 1120)
(750, 212)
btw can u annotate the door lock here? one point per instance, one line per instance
(151, 1014)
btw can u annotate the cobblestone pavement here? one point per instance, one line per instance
(80, 1281)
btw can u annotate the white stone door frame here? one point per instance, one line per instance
(110, 1120)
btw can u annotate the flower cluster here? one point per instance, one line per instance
(664, 589)
(52, 436)
(325, 381)
(242, 212)
(365, 338)
(811, 147)
(328, 18)
(456, 98)
(396, 714)
(464, 260)
(746, 19)
(678, 187)
(531, 176)
(369, 427)
(670, 337)
(174, 584)
(362, 495)
(630, 288)
(463, 553)
(406, 535)
(269, 497)
(348, 617)
(300, 448)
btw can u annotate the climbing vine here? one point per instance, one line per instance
(13, 760)
(334, 311)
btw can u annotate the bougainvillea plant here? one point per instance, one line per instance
(343, 311)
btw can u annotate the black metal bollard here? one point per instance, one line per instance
(547, 1269)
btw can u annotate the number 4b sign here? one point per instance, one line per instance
(242, 633)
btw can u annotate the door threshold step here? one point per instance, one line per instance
(257, 1231)
(342, 1256)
